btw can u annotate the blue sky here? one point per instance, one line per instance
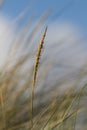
(67, 25)
(76, 13)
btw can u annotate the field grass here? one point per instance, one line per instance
(27, 100)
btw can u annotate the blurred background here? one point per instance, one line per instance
(60, 87)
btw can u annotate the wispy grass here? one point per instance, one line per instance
(23, 108)
(35, 70)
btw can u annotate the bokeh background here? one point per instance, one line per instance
(60, 87)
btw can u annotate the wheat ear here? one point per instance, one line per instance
(35, 71)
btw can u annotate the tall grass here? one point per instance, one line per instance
(23, 104)
(36, 68)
